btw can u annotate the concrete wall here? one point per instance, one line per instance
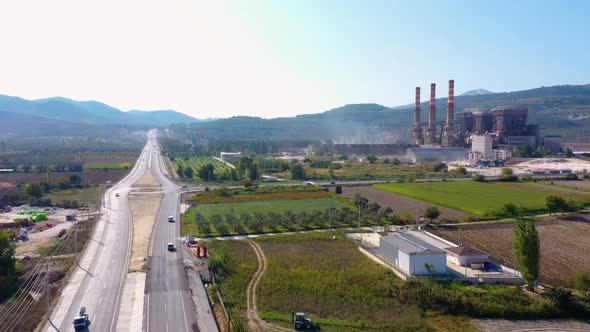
(439, 261)
(404, 262)
(389, 252)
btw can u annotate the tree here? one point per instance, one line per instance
(75, 179)
(371, 159)
(432, 213)
(188, 172)
(479, 178)
(62, 182)
(359, 201)
(206, 172)
(8, 277)
(430, 268)
(554, 203)
(507, 171)
(526, 250)
(180, 171)
(339, 190)
(297, 172)
(461, 170)
(569, 153)
(510, 209)
(386, 161)
(396, 161)
(34, 189)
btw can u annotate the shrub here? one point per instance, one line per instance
(508, 178)
(527, 178)
(339, 190)
(571, 177)
(580, 280)
(479, 178)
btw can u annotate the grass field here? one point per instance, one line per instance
(483, 199)
(297, 205)
(366, 171)
(261, 194)
(107, 166)
(82, 195)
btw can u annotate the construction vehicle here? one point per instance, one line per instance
(81, 322)
(300, 323)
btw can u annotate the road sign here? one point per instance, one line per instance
(421, 218)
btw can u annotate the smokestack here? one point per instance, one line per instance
(451, 103)
(417, 108)
(432, 114)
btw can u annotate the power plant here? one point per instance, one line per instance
(506, 127)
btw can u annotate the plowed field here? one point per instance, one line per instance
(565, 244)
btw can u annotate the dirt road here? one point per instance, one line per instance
(255, 323)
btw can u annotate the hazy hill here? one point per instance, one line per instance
(558, 109)
(476, 92)
(89, 112)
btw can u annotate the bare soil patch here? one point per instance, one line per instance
(584, 185)
(401, 204)
(144, 209)
(565, 247)
(147, 180)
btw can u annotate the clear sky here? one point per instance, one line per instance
(285, 57)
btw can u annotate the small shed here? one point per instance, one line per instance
(467, 256)
(412, 255)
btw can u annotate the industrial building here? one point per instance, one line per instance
(504, 126)
(412, 255)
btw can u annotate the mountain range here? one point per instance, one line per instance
(563, 109)
(62, 116)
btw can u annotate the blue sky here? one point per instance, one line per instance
(281, 58)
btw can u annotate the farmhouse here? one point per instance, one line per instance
(467, 256)
(412, 255)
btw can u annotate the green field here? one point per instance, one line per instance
(343, 290)
(297, 205)
(197, 162)
(482, 199)
(88, 195)
(97, 166)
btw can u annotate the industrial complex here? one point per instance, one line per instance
(473, 136)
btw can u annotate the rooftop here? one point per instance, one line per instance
(465, 251)
(410, 244)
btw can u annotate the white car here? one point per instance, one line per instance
(170, 219)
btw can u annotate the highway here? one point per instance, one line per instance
(168, 304)
(99, 279)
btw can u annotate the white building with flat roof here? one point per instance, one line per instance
(412, 255)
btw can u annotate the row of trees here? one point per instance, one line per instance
(41, 168)
(8, 274)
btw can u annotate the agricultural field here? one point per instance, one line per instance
(88, 177)
(565, 248)
(365, 171)
(327, 277)
(583, 185)
(197, 162)
(83, 196)
(106, 166)
(297, 206)
(481, 198)
(402, 204)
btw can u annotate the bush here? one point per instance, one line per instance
(339, 190)
(580, 280)
(479, 178)
(571, 177)
(527, 178)
(508, 178)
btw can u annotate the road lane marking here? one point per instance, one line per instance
(165, 308)
(99, 300)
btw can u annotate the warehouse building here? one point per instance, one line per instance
(411, 255)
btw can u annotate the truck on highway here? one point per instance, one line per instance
(81, 322)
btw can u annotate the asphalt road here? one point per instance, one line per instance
(168, 299)
(100, 290)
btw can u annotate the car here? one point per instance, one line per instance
(170, 219)
(117, 195)
(171, 246)
(332, 182)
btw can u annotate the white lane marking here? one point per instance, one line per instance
(105, 285)
(100, 300)
(165, 308)
(166, 327)
(147, 328)
(183, 312)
